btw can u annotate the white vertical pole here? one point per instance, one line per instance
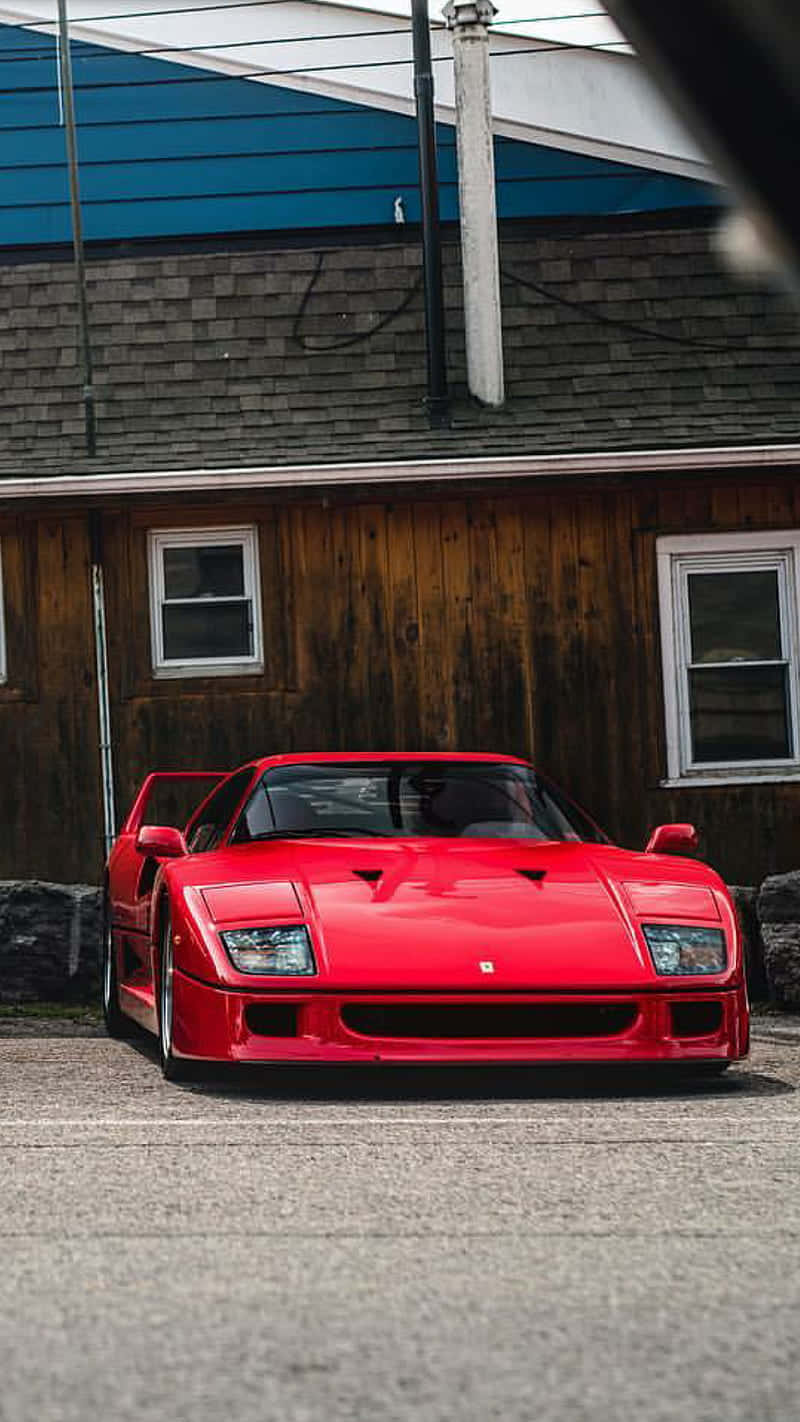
(479, 250)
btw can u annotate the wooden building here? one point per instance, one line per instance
(272, 549)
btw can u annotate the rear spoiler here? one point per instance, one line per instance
(138, 809)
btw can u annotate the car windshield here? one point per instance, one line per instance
(466, 799)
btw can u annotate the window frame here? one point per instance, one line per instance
(158, 540)
(678, 557)
(244, 774)
(3, 648)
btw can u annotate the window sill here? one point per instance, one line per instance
(195, 669)
(690, 782)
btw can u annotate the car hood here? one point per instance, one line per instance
(480, 915)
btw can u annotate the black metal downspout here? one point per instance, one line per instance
(67, 97)
(437, 401)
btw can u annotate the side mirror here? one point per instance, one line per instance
(672, 839)
(160, 842)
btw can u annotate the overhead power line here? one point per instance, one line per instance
(208, 77)
(260, 4)
(98, 51)
(20, 54)
(275, 192)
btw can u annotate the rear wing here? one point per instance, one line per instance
(138, 810)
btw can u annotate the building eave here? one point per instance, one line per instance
(618, 464)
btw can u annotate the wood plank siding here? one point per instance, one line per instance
(522, 621)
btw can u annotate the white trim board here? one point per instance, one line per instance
(240, 664)
(677, 557)
(130, 483)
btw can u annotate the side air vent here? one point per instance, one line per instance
(535, 875)
(272, 1019)
(370, 876)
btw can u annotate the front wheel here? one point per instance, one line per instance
(174, 1068)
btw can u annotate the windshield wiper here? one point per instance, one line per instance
(334, 832)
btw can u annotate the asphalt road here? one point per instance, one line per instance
(426, 1245)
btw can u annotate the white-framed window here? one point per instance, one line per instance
(729, 605)
(3, 661)
(205, 603)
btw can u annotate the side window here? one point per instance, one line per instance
(205, 605)
(256, 818)
(731, 654)
(206, 831)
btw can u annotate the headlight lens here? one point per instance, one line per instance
(678, 948)
(280, 951)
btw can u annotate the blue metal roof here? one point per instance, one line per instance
(171, 150)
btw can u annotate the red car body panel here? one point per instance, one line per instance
(421, 942)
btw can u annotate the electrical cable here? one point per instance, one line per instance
(101, 51)
(24, 53)
(633, 328)
(274, 192)
(211, 77)
(622, 174)
(339, 343)
(258, 4)
(342, 110)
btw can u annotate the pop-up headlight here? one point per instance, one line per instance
(678, 948)
(272, 951)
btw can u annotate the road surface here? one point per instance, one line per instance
(415, 1245)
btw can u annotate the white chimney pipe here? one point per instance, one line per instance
(479, 253)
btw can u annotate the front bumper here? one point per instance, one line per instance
(214, 1024)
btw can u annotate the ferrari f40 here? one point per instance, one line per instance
(413, 908)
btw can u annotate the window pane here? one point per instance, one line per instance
(429, 798)
(204, 572)
(739, 713)
(207, 629)
(734, 617)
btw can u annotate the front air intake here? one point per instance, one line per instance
(488, 1021)
(696, 1019)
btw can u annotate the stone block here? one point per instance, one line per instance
(779, 898)
(50, 938)
(779, 915)
(782, 962)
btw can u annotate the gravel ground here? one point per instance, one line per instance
(395, 1244)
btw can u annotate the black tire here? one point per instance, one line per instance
(174, 1068)
(117, 1024)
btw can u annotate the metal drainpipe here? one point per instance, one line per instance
(469, 24)
(101, 662)
(437, 401)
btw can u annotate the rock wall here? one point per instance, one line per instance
(50, 938)
(49, 942)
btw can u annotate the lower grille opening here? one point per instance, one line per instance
(488, 1020)
(272, 1019)
(695, 1019)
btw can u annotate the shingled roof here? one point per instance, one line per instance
(621, 337)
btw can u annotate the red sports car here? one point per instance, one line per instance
(414, 908)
